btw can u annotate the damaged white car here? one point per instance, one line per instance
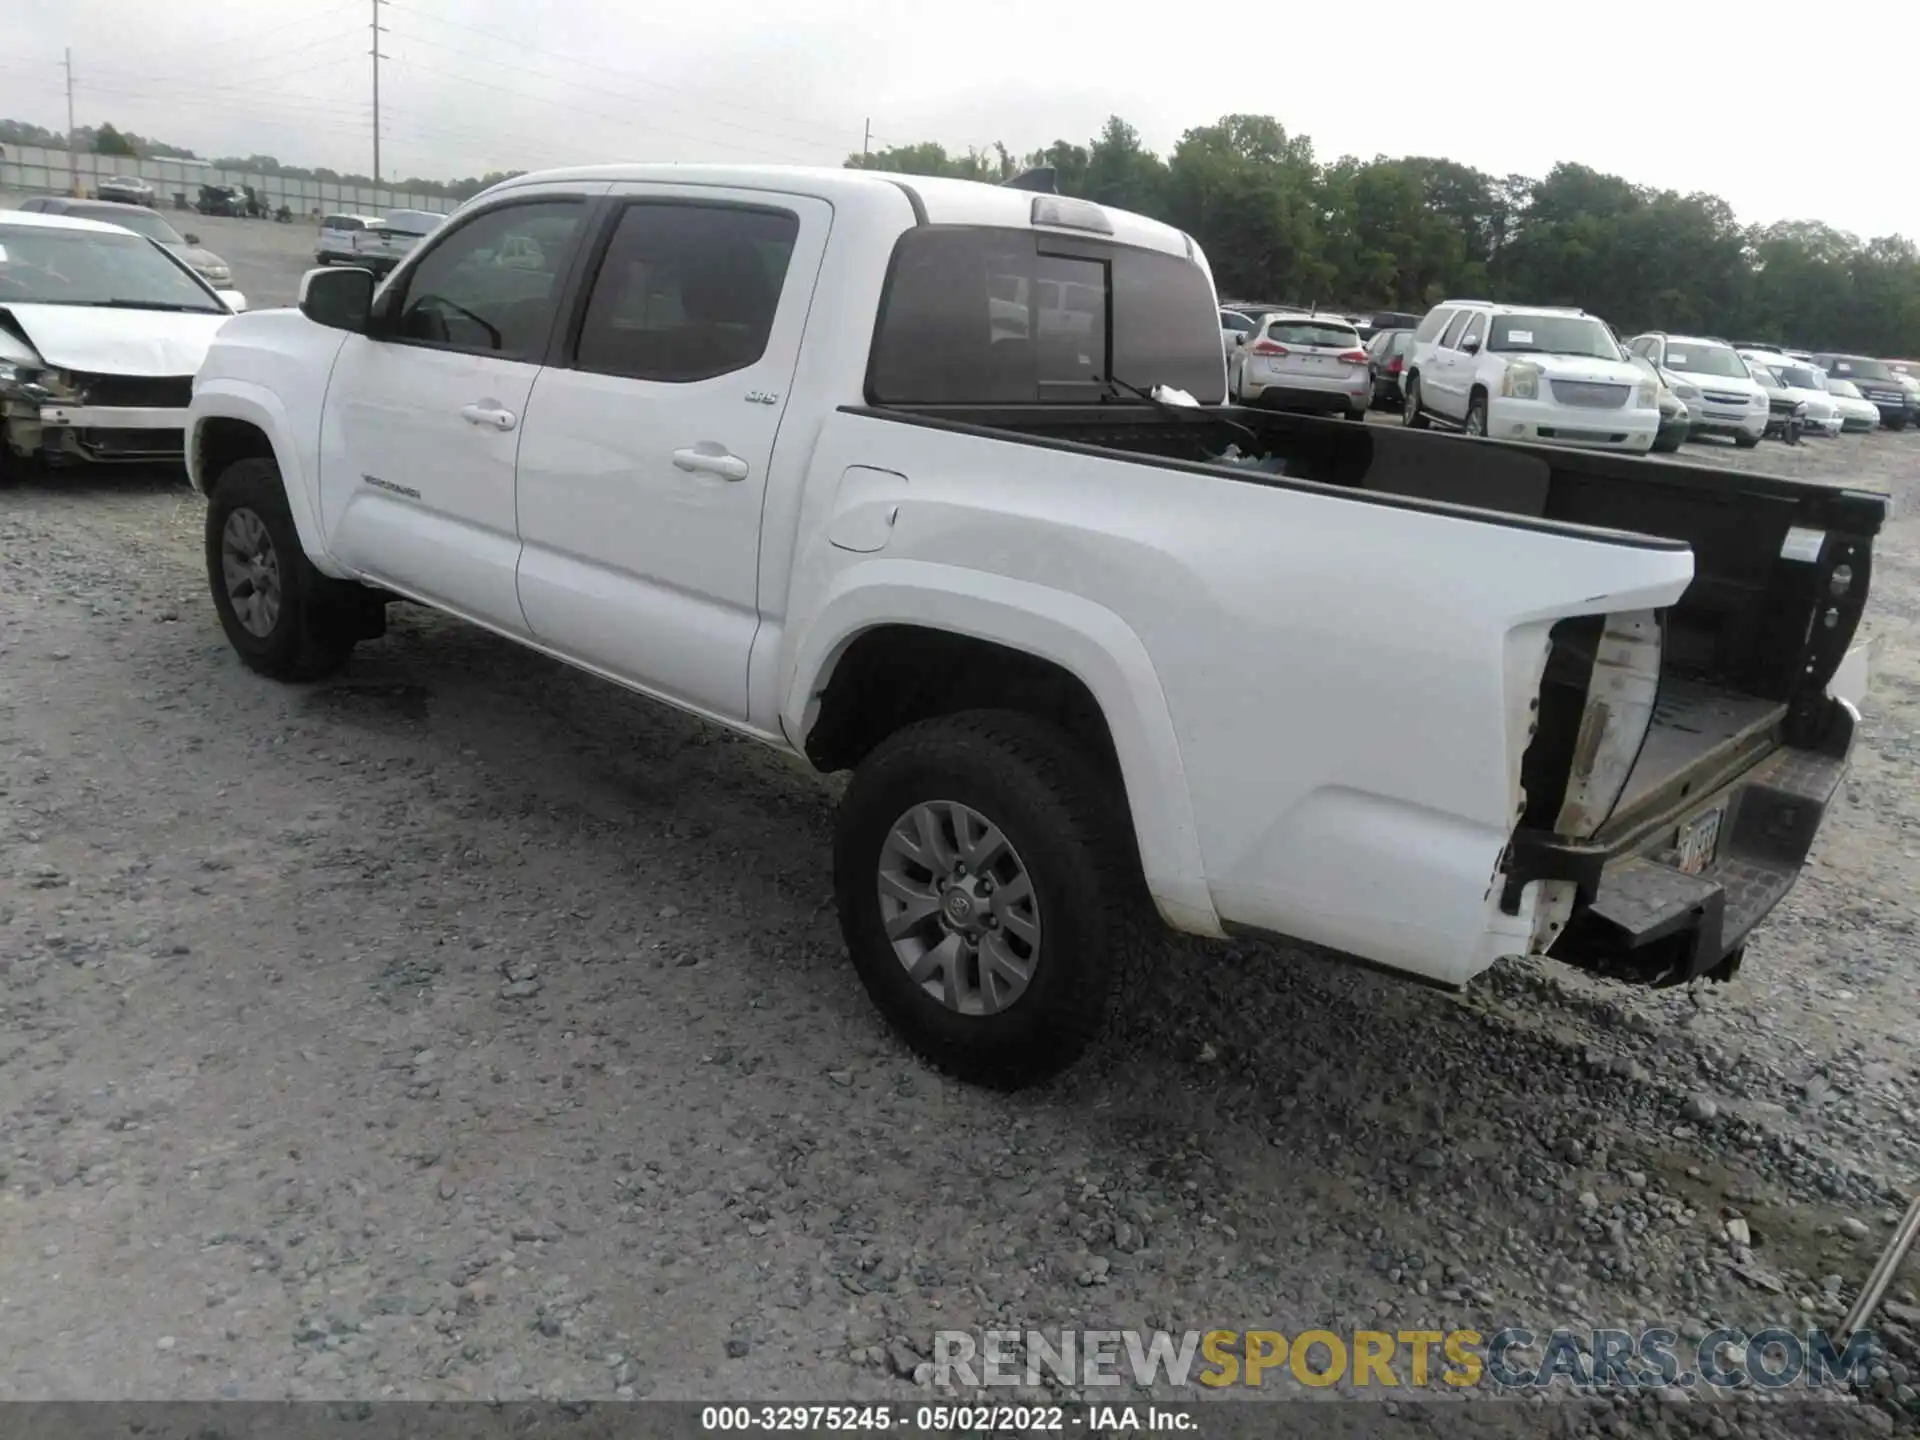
(101, 332)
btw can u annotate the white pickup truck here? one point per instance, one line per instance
(764, 444)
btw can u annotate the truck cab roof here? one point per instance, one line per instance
(933, 200)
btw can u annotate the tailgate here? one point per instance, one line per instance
(1700, 748)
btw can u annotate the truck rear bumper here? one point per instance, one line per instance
(1677, 901)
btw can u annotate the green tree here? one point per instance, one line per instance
(110, 141)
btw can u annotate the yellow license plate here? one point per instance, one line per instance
(1699, 841)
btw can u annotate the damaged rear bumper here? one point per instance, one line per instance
(1676, 898)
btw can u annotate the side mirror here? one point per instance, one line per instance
(191, 238)
(1472, 347)
(236, 302)
(340, 299)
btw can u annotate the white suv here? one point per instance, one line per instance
(1303, 362)
(1731, 403)
(1528, 372)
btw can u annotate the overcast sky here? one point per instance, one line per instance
(1733, 99)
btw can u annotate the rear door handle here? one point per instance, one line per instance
(492, 415)
(712, 460)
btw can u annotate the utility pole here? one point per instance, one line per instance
(378, 28)
(73, 164)
(866, 142)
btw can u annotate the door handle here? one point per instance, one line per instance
(714, 461)
(492, 415)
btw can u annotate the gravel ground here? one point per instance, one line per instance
(465, 1027)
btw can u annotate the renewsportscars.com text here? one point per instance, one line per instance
(1513, 1358)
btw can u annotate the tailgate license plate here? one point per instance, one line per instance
(1699, 841)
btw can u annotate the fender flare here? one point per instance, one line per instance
(231, 399)
(1087, 640)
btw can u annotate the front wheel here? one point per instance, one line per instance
(283, 617)
(989, 893)
(1411, 414)
(1477, 416)
(1744, 440)
(1669, 442)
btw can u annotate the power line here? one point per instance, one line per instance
(574, 109)
(844, 139)
(200, 48)
(304, 64)
(520, 47)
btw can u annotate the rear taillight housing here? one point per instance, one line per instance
(1394, 365)
(1354, 357)
(1267, 347)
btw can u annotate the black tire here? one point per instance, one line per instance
(1899, 424)
(1476, 416)
(1411, 415)
(1072, 837)
(1668, 444)
(1745, 441)
(318, 619)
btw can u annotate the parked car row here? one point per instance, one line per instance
(1546, 373)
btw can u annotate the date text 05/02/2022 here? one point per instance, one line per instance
(945, 1419)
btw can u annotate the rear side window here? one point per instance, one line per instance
(1431, 327)
(686, 291)
(979, 315)
(1452, 337)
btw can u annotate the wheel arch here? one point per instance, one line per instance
(899, 641)
(234, 420)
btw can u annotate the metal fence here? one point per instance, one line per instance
(37, 171)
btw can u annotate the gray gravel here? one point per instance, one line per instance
(465, 1027)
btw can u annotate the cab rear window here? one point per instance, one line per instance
(993, 315)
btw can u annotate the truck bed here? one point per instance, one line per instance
(1759, 542)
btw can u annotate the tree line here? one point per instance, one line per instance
(1403, 233)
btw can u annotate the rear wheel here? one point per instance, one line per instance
(282, 617)
(1411, 414)
(989, 893)
(1744, 440)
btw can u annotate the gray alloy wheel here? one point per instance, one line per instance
(959, 907)
(251, 568)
